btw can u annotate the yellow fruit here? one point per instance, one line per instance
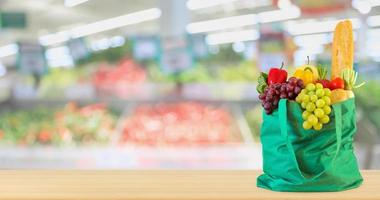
(313, 98)
(310, 107)
(320, 92)
(312, 119)
(305, 115)
(310, 87)
(305, 98)
(302, 69)
(306, 125)
(327, 110)
(339, 95)
(320, 103)
(327, 100)
(327, 92)
(319, 112)
(298, 99)
(317, 126)
(325, 119)
(319, 86)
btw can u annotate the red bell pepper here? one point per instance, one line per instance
(337, 83)
(277, 75)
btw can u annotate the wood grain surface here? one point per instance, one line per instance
(158, 184)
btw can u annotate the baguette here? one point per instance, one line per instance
(342, 49)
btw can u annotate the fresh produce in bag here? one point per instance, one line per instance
(308, 129)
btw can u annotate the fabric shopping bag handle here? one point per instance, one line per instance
(283, 114)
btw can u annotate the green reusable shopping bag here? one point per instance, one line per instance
(299, 160)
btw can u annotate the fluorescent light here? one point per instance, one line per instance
(106, 43)
(72, 3)
(290, 12)
(283, 4)
(373, 20)
(222, 23)
(310, 27)
(238, 47)
(8, 50)
(374, 3)
(363, 6)
(117, 41)
(373, 33)
(101, 44)
(312, 40)
(231, 37)
(116, 22)
(99, 26)
(54, 38)
(61, 62)
(372, 41)
(57, 52)
(59, 57)
(200, 4)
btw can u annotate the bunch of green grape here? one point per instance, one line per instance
(315, 100)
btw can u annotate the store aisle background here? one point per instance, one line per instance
(164, 84)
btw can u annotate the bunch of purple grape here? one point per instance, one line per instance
(273, 93)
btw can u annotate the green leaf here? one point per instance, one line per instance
(262, 82)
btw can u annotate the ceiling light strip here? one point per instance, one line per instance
(232, 36)
(72, 3)
(117, 22)
(200, 4)
(8, 50)
(301, 28)
(222, 23)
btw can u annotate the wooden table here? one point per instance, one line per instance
(187, 185)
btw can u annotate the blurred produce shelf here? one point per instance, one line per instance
(221, 91)
(213, 91)
(145, 135)
(233, 156)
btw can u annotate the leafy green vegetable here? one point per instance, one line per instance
(262, 82)
(322, 72)
(349, 77)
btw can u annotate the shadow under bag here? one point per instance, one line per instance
(299, 160)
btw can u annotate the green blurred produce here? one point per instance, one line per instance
(61, 78)
(27, 127)
(199, 74)
(368, 99)
(245, 71)
(110, 55)
(157, 75)
(71, 125)
(225, 56)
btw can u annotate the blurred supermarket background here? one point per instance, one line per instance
(164, 84)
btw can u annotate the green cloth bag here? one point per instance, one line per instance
(299, 160)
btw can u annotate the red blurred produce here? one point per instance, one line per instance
(178, 124)
(120, 80)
